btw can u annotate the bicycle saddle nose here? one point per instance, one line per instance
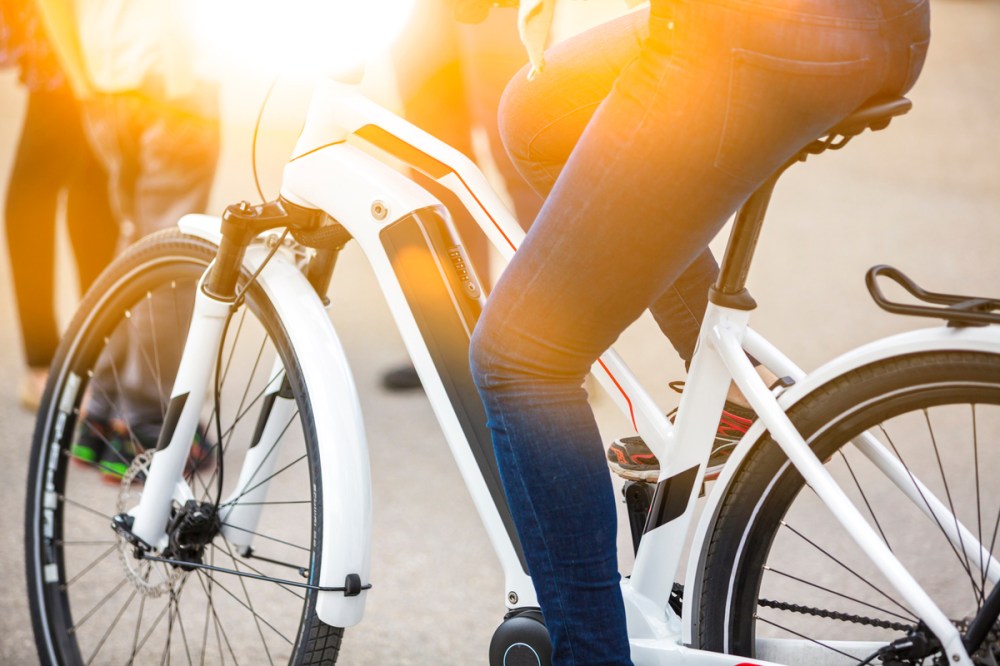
(875, 114)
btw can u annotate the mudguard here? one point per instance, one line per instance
(343, 448)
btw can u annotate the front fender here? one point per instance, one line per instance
(343, 449)
(979, 339)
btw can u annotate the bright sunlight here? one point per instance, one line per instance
(295, 38)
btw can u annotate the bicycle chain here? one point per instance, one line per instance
(835, 615)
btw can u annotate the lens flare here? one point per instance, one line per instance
(298, 38)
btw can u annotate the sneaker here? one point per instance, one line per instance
(120, 447)
(89, 442)
(124, 444)
(631, 459)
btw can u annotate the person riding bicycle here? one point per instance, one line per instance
(645, 134)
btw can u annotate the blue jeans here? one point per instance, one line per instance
(646, 134)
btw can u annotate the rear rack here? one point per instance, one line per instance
(958, 311)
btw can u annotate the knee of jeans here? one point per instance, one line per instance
(483, 349)
(513, 116)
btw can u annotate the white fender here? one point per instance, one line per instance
(981, 339)
(343, 449)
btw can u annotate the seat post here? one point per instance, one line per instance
(730, 289)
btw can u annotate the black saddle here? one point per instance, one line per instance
(876, 114)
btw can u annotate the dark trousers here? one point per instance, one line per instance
(54, 159)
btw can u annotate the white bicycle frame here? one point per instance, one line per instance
(403, 233)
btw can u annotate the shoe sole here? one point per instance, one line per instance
(653, 475)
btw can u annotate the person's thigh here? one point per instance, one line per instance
(661, 167)
(542, 119)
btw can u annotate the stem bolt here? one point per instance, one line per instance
(512, 597)
(379, 210)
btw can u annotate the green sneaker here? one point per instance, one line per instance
(124, 444)
(89, 442)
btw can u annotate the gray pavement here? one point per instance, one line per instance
(924, 196)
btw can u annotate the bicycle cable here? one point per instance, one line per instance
(240, 294)
(253, 142)
(237, 302)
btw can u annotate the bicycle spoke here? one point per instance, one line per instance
(844, 566)
(246, 391)
(121, 391)
(215, 616)
(261, 573)
(152, 365)
(232, 349)
(180, 625)
(804, 637)
(961, 561)
(910, 618)
(264, 536)
(72, 502)
(222, 450)
(983, 565)
(156, 354)
(114, 623)
(138, 626)
(260, 465)
(171, 616)
(237, 600)
(206, 487)
(228, 431)
(864, 498)
(152, 628)
(100, 558)
(89, 614)
(253, 612)
(977, 592)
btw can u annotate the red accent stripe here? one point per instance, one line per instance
(624, 394)
(481, 206)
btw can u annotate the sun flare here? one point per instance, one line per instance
(297, 38)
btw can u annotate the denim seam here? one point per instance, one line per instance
(583, 106)
(554, 121)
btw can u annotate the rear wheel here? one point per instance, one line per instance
(782, 581)
(92, 600)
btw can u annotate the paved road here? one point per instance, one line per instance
(924, 195)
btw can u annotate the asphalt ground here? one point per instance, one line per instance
(923, 196)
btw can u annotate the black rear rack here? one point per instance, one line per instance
(958, 311)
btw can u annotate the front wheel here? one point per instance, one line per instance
(782, 581)
(92, 600)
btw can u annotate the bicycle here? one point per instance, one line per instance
(247, 551)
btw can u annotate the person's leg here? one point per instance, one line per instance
(39, 174)
(540, 138)
(113, 139)
(90, 221)
(654, 176)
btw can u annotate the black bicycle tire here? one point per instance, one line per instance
(316, 642)
(747, 519)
